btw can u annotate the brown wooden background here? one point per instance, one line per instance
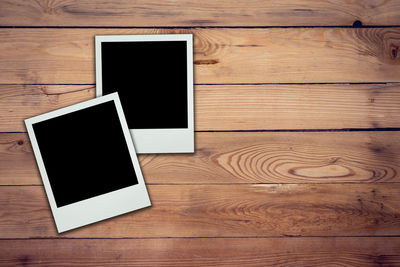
(297, 134)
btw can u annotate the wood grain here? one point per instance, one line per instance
(358, 251)
(223, 211)
(198, 13)
(244, 198)
(236, 107)
(272, 55)
(246, 157)
(19, 102)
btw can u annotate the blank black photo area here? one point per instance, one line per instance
(151, 79)
(85, 153)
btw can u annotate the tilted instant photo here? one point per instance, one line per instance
(87, 162)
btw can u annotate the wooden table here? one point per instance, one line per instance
(297, 134)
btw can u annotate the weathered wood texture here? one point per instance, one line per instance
(273, 55)
(198, 13)
(223, 211)
(236, 107)
(329, 195)
(203, 252)
(266, 157)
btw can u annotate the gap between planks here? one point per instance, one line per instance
(198, 237)
(203, 27)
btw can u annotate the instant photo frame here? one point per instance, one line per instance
(88, 175)
(154, 77)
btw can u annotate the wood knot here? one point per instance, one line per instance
(394, 51)
(206, 62)
(376, 149)
(20, 142)
(24, 260)
(357, 24)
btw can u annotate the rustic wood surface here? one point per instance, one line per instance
(155, 13)
(247, 157)
(271, 55)
(262, 210)
(350, 251)
(236, 107)
(297, 134)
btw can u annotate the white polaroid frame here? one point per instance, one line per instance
(157, 140)
(100, 207)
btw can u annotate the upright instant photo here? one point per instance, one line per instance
(153, 75)
(87, 162)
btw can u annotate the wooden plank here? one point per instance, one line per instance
(272, 55)
(360, 251)
(236, 107)
(223, 211)
(19, 102)
(247, 157)
(197, 13)
(17, 163)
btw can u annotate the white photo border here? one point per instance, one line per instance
(180, 140)
(100, 207)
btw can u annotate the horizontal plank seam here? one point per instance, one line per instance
(390, 129)
(307, 83)
(237, 184)
(198, 27)
(217, 84)
(394, 129)
(204, 237)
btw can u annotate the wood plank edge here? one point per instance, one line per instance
(190, 26)
(203, 237)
